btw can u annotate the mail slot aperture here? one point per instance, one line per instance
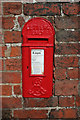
(38, 39)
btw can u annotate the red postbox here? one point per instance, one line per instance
(37, 58)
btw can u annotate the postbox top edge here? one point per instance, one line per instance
(24, 27)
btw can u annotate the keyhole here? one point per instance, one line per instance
(27, 67)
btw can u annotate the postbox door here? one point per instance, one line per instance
(37, 71)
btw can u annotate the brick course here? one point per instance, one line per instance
(68, 48)
(64, 113)
(21, 21)
(0, 9)
(67, 36)
(30, 114)
(51, 102)
(7, 22)
(11, 102)
(6, 90)
(66, 87)
(67, 22)
(11, 77)
(71, 8)
(42, 9)
(66, 101)
(13, 64)
(77, 100)
(12, 8)
(12, 37)
(17, 90)
(72, 73)
(11, 51)
(71, 61)
(60, 74)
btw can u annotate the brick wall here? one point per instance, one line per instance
(65, 102)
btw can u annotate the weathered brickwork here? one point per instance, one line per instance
(64, 113)
(12, 37)
(12, 8)
(42, 9)
(71, 8)
(7, 22)
(67, 22)
(65, 101)
(67, 36)
(50, 102)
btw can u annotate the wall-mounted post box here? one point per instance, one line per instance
(37, 58)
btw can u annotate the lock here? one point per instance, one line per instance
(37, 57)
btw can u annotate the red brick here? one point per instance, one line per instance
(30, 114)
(21, 21)
(0, 89)
(6, 90)
(49, 102)
(0, 51)
(0, 9)
(6, 114)
(63, 113)
(78, 101)
(11, 102)
(1, 41)
(66, 101)
(15, 51)
(66, 87)
(17, 90)
(67, 36)
(1, 103)
(67, 22)
(1, 78)
(66, 61)
(7, 22)
(12, 8)
(13, 64)
(72, 73)
(11, 77)
(12, 37)
(1, 22)
(79, 73)
(42, 9)
(1, 32)
(69, 48)
(1, 64)
(11, 51)
(60, 74)
(3, 50)
(71, 8)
